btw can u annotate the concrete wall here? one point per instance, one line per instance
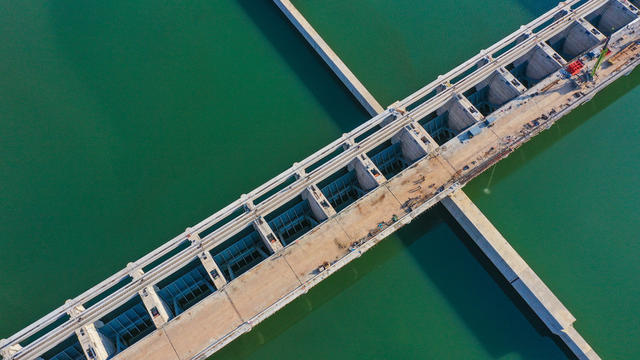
(320, 206)
(518, 273)
(541, 63)
(460, 117)
(577, 39)
(410, 139)
(368, 175)
(611, 17)
(501, 90)
(329, 56)
(618, 38)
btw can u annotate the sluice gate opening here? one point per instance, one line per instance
(611, 17)
(342, 189)
(493, 92)
(450, 120)
(389, 159)
(240, 253)
(438, 127)
(292, 220)
(186, 287)
(127, 324)
(573, 41)
(70, 349)
(534, 66)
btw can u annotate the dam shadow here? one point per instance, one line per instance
(476, 292)
(459, 296)
(302, 59)
(489, 306)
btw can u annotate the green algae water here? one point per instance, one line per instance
(123, 123)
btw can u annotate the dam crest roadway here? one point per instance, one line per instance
(222, 276)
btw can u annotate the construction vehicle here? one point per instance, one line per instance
(605, 51)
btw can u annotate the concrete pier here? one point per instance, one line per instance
(267, 235)
(94, 344)
(156, 307)
(207, 261)
(518, 273)
(539, 63)
(330, 57)
(414, 141)
(320, 206)
(213, 270)
(264, 230)
(576, 39)
(367, 173)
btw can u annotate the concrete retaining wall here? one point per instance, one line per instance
(523, 279)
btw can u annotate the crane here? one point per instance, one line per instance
(605, 51)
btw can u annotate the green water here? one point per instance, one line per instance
(124, 122)
(397, 47)
(569, 203)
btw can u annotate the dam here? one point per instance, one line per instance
(218, 263)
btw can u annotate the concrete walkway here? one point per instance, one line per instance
(523, 279)
(322, 48)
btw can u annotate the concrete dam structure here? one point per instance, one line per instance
(222, 276)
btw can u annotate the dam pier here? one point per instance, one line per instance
(219, 278)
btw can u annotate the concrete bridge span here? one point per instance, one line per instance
(227, 273)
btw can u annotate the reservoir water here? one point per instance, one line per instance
(123, 123)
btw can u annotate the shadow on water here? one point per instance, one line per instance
(304, 61)
(486, 313)
(467, 297)
(504, 285)
(456, 294)
(467, 300)
(491, 317)
(464, 289)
